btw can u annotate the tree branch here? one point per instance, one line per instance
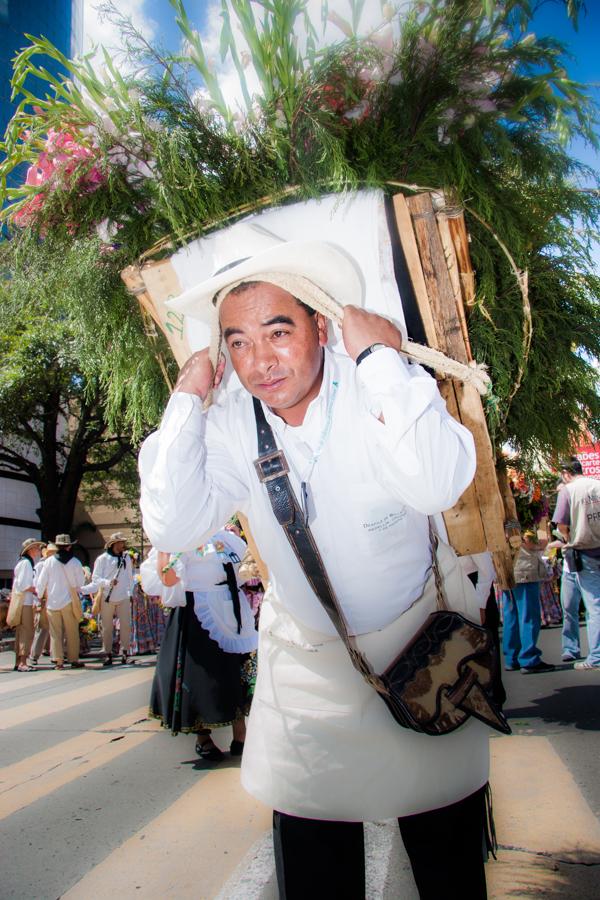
(109, 463)
(21, 463)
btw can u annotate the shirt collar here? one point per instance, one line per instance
(315, 414)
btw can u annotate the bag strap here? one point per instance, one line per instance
(120, 565)
(272, 469)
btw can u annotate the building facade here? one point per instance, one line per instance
(61, 21)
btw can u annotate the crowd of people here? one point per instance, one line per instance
(557, 581)
(62, 610)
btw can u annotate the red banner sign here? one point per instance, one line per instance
(589, 457)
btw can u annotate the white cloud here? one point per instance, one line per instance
(98, 30)
(372, 20)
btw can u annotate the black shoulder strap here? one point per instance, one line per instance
(272, 469)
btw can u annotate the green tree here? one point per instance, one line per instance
(65, 323)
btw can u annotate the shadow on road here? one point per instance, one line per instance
(518, 873)
(578, 706)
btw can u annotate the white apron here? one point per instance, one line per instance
(322, 744)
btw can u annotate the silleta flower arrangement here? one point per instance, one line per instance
(430, 95)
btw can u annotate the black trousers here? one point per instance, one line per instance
(325, 860)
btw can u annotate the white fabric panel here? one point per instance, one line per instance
(354, 221)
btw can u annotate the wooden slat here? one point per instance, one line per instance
(413, 264)
(460, 239)
(477, 521)
(437, 278)
(262, 568)
(503, 564)
(162, 284)
(132, 278)
(463, 522)
(443, 223)
(486, 483)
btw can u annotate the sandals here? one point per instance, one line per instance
(585, 665)
(208, 750)
(25, 668)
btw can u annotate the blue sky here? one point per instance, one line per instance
(584, 46)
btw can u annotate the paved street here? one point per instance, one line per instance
(96, 801)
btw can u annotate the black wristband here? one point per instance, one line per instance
(367, 352)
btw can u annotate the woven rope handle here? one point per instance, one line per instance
(441, 601)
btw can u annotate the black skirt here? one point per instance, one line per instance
(196, 684)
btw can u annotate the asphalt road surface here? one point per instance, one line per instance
(96, 801)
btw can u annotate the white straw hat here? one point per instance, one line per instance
(326, 265)
(115, 538)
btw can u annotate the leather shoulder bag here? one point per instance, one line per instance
(443, 676)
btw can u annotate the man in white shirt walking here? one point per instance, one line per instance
(23, 580)
(60, 580)
(371, 453)
(113, 575)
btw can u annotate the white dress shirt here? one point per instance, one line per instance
(23, 580)
(369, 491)
(105, 571)
(56, 578)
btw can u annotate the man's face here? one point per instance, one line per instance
(118, 547)
(275, 347)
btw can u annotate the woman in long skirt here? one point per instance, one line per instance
(142, 637)
(204, 670)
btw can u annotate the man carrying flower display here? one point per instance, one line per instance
(371, 453)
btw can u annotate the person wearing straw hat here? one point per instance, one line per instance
(60, 580)
(41, 637)
(371, 453)
(23, 581)
(113, 575)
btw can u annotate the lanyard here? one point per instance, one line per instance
(321, 444)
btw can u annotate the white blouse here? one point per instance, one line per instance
(23, 580)
(201, 572)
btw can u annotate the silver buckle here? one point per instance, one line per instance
(259, 463)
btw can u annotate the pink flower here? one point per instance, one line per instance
(62, 161)
(27, 214)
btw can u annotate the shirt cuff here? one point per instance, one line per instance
(182, 424)
(181, 409)
(382, 367)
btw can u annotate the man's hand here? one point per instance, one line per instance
(197, 375)
(360, 329)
